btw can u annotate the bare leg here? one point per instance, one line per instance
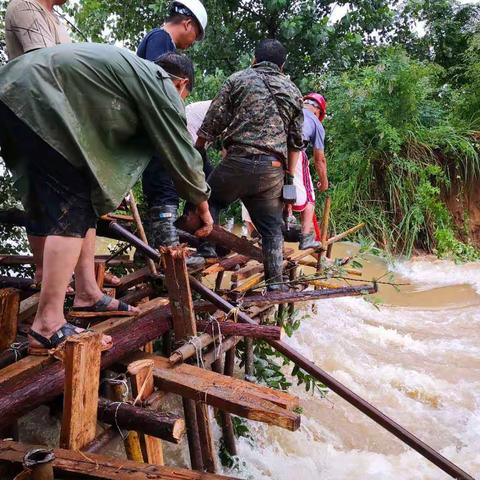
(307, 218)
(86, 289)
(37, 244)
(59, 259)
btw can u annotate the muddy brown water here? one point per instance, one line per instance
(415, 356)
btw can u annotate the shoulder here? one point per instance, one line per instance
(25, 7)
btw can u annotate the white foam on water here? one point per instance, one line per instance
(420, 367)
(439, 273)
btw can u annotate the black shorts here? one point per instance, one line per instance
(56, 195)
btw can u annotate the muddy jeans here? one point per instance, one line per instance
(256, 182)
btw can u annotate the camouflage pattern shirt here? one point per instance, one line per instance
(248, 117)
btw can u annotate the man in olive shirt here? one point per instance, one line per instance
(77, 147)
(258, 113)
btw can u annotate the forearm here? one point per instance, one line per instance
(321, 167)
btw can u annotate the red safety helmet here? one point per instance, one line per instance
(320, 101)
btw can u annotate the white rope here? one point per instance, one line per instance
(120, 380)
(198, 351)
(216, 352)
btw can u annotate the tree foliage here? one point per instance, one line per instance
(402, 78)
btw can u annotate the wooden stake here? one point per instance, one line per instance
(9, 308)
(249, 359)
(141, 230)
(80, 401)
(193, 435)
(209, 456)
(141, 378)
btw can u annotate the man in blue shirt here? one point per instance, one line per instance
(184, 26)
(314, 111)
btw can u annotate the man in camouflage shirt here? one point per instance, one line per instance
(258, 114)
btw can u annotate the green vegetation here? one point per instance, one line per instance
(402, 79)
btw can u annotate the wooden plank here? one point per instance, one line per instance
(178, 286)
(227, 264)
(80, 400)
(9, 307)
(230, 394)
(141, 380)
(99, 466)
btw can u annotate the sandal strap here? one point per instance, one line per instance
(102, 304)
(123, 307)
(40, 338)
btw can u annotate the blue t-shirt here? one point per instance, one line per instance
(155, 43)
(313, 131)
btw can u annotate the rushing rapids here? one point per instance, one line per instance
(416, 356)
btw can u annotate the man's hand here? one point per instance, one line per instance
(204, 213)
(322, 186)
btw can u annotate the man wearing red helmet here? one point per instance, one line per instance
(314, 111)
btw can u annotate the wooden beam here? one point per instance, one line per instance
(209, 456)
(230, 394)
(80, 400)
(99, 466)
(132, 279)
(238, 329)
(178, 286)
(155, 425)
(9, 307)
(141, 380)
(227, 264)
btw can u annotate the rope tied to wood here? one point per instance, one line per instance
(119, 380)
(214, 322)
(198, 350)
(15, 348)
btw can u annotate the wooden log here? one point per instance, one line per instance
(189, 349)
(215, 353)
(230, 394)
(103, 440)
(249, 360)
(222, 237)
(28, 307)
(17, 282)
(14, 353)
(176, 279)
(209, 457)
(226, 423)
(132, 279)
(68, 463)
(219, 280)
(227, 264)
(193, 436)
(241, 329)
(167, 426)
(271, 298)
(36, 380)
(82, 378)
(141, 379)
(121, 218)
(134, 296)
(9, 307)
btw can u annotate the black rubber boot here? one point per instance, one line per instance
(307, 240)
(162, 229)
(164, 234)
(272, 248)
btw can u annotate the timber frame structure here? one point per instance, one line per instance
(123, 389)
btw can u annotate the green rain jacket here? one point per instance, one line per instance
(106, 109)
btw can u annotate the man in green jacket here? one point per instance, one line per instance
(78, 125)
